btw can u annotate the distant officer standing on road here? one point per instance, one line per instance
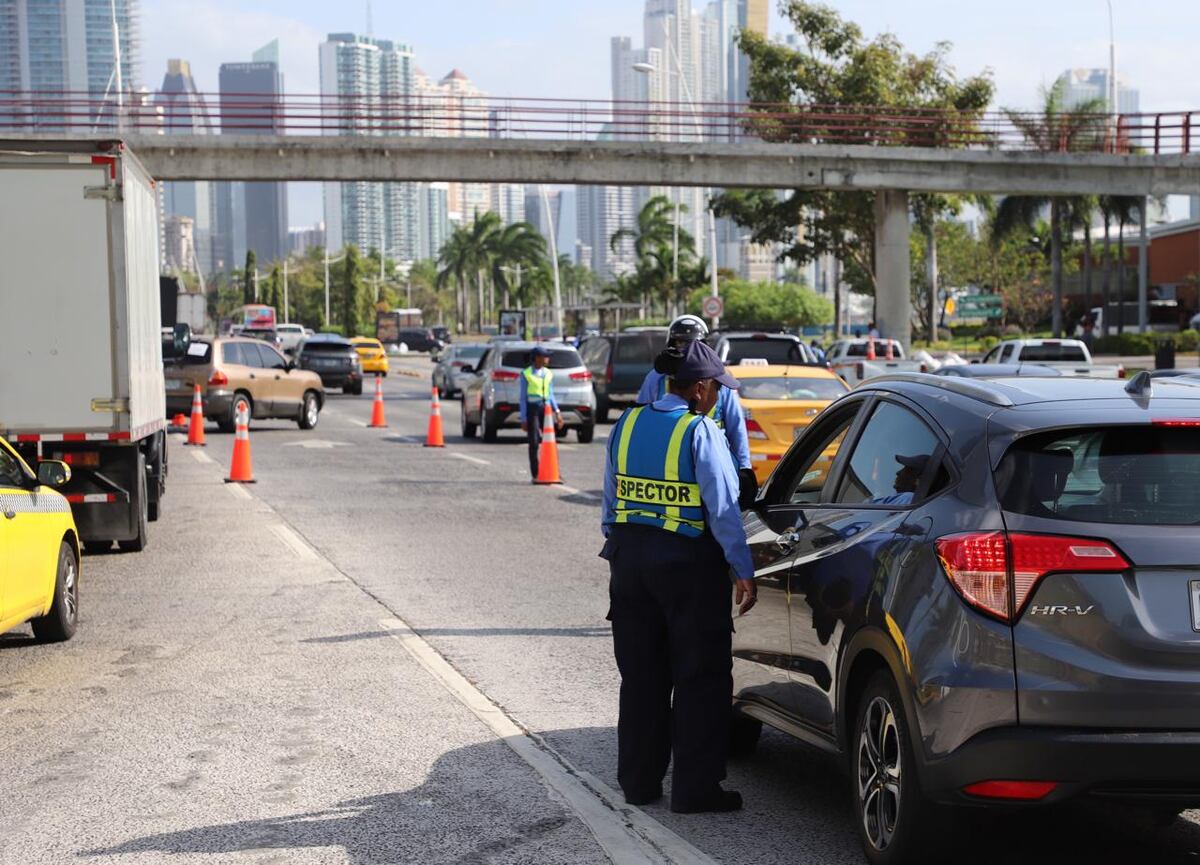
(674, 533)
(727, 413)
(537, 391)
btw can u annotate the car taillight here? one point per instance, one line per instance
(754, 429)
(218, 379)
(1177, 423)
(608, 373)
(996, 572)
(1121, 371)
(505, 375)
(581, 376)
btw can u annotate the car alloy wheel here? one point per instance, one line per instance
(879, 781)
(70, 590)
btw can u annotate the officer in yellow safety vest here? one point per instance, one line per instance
(537, 391)
(674, 535)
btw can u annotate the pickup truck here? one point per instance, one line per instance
(857, 360)
(1069, 356)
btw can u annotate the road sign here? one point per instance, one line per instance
(712, 307)
(977, 304)
(951, 306)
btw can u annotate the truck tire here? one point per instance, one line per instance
(138, 543)
(59, 624)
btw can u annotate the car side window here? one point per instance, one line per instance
(991, 356)
(253, 356)
(892, 457)
(231, 352)
(805, 482)
(271, 359)
(10, 470)
(1006, 355)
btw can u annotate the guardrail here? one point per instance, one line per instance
(581, 119)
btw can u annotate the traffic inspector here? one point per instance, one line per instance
(537, 391)
(673, 532)
(727, 413)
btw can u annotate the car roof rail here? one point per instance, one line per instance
(960, 386)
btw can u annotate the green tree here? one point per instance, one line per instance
(249, 273)
(275, 291)
(515, 246)
(838, 68)
(1058, 129)
(351, 289)
(655, 252)
(768, 304)
(454, 267)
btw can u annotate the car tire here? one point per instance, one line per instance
(60, 622)
(139, 541)
(489, 431)
(228, 422)
(468, 429)
(744, 733)
(602, 409)
(893, 816)
(310, 411)
(586, 433)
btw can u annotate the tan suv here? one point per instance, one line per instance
(230, 370)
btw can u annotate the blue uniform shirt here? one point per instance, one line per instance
(730, 408)
(545, 371)
(719, 489)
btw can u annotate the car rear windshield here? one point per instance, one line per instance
(470, 352)
(1134, 475)
(197, 354)
(1053, 351)
(328, 347)
(784, 388)
(781, 351)
(635, 349)
(561, 359)
(860, 349)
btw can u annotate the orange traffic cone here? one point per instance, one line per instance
(889, 355)
(871, 349)
(548, 452)
(240, 471)
(179, 421)
(377, 418)
(196, 427)
(434, 438)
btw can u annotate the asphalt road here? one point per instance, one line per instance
(248, 689)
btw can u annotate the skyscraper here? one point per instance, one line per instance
(184, 112)
(70, 45)
(251, 215)
(1085, 85)
(373, 81)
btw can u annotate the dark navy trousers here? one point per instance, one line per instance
(672, 633)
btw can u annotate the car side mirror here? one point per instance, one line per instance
(181, 338)
(52, 473)
(289, 366)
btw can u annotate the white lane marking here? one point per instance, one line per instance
(201, 457)
(469, 459)
(567, 448)
(574, 492)
(295, 543)
(356, 421)
(626, 834)
(239, 492)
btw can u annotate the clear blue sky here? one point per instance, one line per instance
(560, 47)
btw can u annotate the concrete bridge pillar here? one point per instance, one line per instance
(893, 302)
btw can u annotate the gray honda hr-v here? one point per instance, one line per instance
(983, 592)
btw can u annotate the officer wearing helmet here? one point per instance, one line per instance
(727, 414)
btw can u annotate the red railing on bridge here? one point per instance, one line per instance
(581, 119)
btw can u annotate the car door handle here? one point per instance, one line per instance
(10, 515)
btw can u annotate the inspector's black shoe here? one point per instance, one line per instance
(717, 802)
(643, 798)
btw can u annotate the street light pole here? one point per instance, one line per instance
(558, 310)
(1113, 109)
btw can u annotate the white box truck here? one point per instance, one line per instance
(81, 374)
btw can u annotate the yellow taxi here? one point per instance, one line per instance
(371, 354)
(39, 566)
(779, 402)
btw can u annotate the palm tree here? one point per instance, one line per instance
(454, 265)
(1055, 129)
(517, 245)
(654, 246)
(480, 244)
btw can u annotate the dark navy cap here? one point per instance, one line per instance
(540, 351)
(700, 361)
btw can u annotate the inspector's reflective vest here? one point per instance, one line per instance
(656, 471)
(538, 387)
(716, 414)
